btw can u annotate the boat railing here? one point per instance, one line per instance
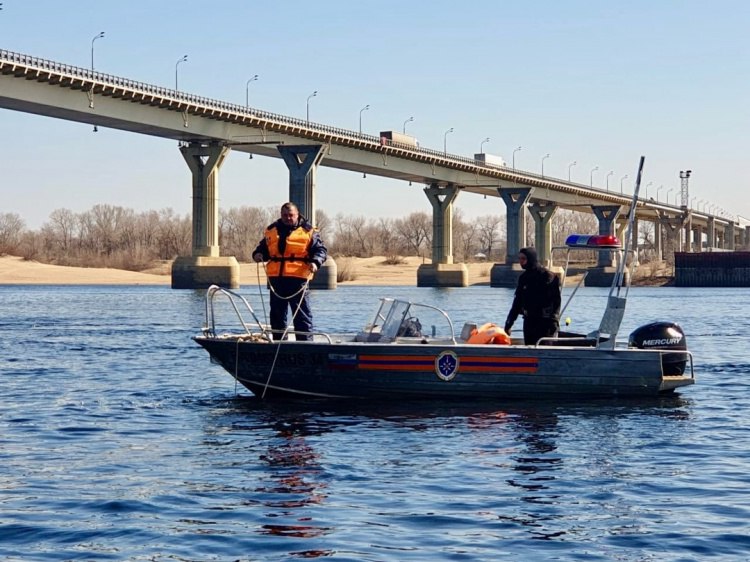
(234, 299)
(296, 333)
(241, 308)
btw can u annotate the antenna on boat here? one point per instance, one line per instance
(619, 276)
(613, 314)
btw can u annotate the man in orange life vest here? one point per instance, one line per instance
(537, 298)
(294, 252)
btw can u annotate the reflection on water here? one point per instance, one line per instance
(296, 473)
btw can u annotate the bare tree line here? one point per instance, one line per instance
(112, 236)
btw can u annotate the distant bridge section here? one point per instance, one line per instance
(208, 128)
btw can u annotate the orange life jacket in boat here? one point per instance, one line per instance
(489, 333)
(295, 260)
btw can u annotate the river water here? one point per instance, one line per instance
(119, 440)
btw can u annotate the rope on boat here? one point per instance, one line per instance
(240, 339)
(260, 291)
(302, 290)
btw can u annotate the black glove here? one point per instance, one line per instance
(507, 328)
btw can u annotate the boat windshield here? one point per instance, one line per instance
(396, 318)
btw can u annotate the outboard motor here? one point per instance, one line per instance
(663, 335)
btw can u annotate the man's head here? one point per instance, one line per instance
(527, 258)
(289, 214)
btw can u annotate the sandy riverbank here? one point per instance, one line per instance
(364, 271)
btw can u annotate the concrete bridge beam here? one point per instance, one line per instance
(205, 267)
(302, 162)
(442, 272)
(516, 200)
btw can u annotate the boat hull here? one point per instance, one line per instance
(434, 371)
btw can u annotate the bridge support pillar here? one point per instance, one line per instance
(659, 254)
(205, 267)
(688, 218)
(673, 227)
(697, 239)
(605, 270)
(542, 214)
(442, 272)
(515, 199)
(729, 236)
(710, 234)
(302, 162)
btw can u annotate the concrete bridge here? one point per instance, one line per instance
(207, 129)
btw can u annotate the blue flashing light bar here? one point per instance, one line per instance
(592, 241)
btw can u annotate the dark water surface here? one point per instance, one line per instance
(119, 440)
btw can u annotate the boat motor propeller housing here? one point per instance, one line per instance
(663, 335)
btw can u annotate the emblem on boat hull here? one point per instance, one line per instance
(446, 365)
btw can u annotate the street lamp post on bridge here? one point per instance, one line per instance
(365, 108)
(573, 163)
(409, 120)
(543, 159)
(445, 141)
(247, 90)
(658, 189)
(670, 190)
(610, 173)
(591, 176)
(513, 158)
(176, 66)
(481, 145)
(622, 179)
(97, 36)
(646, 192)
(307, 113)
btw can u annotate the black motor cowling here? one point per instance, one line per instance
(663, 335)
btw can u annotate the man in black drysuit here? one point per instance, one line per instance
(537, 298)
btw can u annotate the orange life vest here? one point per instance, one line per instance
(294, 262)
(489, 333)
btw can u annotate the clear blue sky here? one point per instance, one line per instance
(599, 83)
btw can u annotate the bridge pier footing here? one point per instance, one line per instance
(327, 276)
(200, 272)
(505, 275)
(604, 276)
(442, 275)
